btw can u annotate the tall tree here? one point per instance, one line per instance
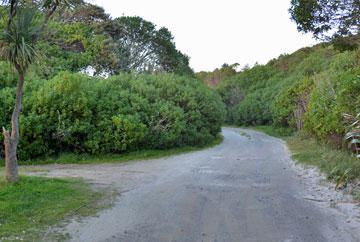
(25, 22)
(141, 47)
(327, 19)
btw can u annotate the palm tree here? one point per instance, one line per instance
(17, 46)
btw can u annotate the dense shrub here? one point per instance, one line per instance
(78, 113)
(8, 77)
(323, 118)
(309, 89)
(245, 95)
(290, 105)
(349, 91)
(255, 109)
(339, 94)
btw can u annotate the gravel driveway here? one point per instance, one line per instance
(247, 189)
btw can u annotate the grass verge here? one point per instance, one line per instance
(338, 165)
(273, 131)
(30, 206)
(117, 158)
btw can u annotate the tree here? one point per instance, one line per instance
(17, 46)
(327, 19)
(214, 78)
(86, 38)
(169, 58)
(83, 12)
(141, 47)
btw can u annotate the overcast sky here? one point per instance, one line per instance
(213, 32)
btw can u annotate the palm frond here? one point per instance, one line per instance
(16, 42)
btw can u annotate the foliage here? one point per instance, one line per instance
(307, 90)
(85, 38)
(323, 118)
(245, 95)
(326, 18)
(334, 95)
(254, 109)
(214, 78)
(141, 47)
(289, 107)
(76, 113)
(82, 114)
(8, 78)
(338, 165)
(126, 156)
(16, 41)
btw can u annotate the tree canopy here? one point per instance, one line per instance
(83, 36)
(327, 19)
(215, 77)
(86, 36)
(141, 47)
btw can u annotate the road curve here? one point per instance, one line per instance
(244, 190)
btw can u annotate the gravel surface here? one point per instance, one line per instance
(247, 189)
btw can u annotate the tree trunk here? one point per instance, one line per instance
(11, 140)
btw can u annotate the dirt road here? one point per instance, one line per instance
(245, 190)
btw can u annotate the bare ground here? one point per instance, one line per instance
(246, 189)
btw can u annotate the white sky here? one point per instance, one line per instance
(213, 32)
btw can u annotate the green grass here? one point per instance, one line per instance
(273, 131)
(30, 206)
(332, 162)
(117, 158)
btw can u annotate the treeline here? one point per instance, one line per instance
(215, 77)
(141, 93)
(81, 114)
(83, 37)
(308, 90)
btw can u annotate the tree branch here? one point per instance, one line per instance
(12, 12)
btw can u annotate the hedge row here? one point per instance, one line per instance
(81, 114)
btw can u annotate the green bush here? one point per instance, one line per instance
(349, 91)
(246, 95)
(289, 100)
(344, 61)
(309, 89)
(323, 118)
(340, 94)
(315, 63)
(82, 114)
(254, 109)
